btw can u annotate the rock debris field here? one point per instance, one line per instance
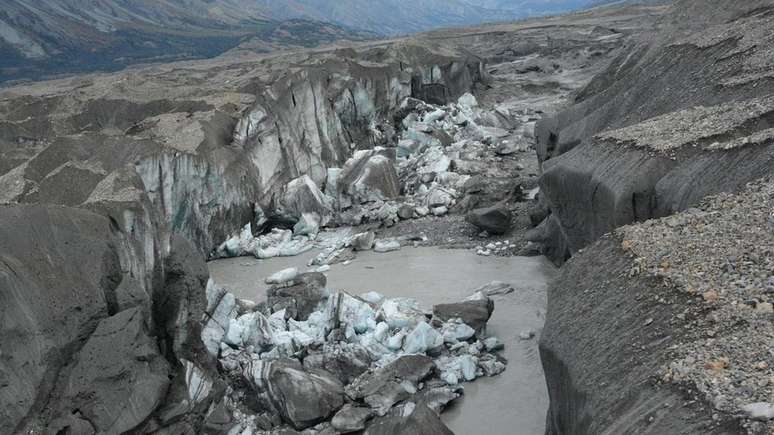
(722, 256)
(329, 360)
(444, 162)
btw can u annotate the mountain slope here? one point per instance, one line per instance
(39, 38)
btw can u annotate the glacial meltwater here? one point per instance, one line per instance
(498, 405)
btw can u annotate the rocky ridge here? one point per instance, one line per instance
(681, 117)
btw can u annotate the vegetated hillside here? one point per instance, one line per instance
(41, 38)
(49, 37)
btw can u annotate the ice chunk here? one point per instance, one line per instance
(356, 313)
(395, 343)
(283, 276)
(467, 100)
(383, 246)
(372, 297)
(455, 330)
(308, 225)
(422, 339)
(252, 329)
(401, 313)
(381, 331)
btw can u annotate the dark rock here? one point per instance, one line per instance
(382, 388)
(303, 397)
(422, 421)
(406, 212)
(301, 196)
(178, 308)
(351, 419)
(364, 241)
(218, 420)
(119, 377)
(494, 220)
(483, 191)
(437, 395)
(474, 313)
(301, 299)
(343, 360)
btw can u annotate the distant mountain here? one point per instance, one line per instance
(43, 37)
(40, 38)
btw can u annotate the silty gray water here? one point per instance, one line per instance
(513, 403)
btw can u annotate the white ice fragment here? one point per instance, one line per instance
(435, 115)
(467, 101)
(468, 366)
(356, 313)
(198, 382)
(381, 331)
(372, 297)
(383, 246)
(422, 339)
(252, 329)
(450, 378)
(277, 321)
(455, 331)
(308, 225)
(492, 344)
(760, 410)
(395, 343)
(401, 313)
(283, 276)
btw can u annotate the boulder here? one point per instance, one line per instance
(222, 310)
(351, 418)
(300, 299)
(467, 101)
(345, 361)
(363, 241)
(481, 191)
(303, 397)
(508, 147)
(283, 276)
(400, 313)
(474, 313)
(302, 195)
(439, 197)
(406, 212)
(437, 395)
(384, 246)
(354, 312)
(307, 225)
(420, 421)
(252, 329)
(369, 176)
(119, 377)
(494, 220)
(393, 383)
